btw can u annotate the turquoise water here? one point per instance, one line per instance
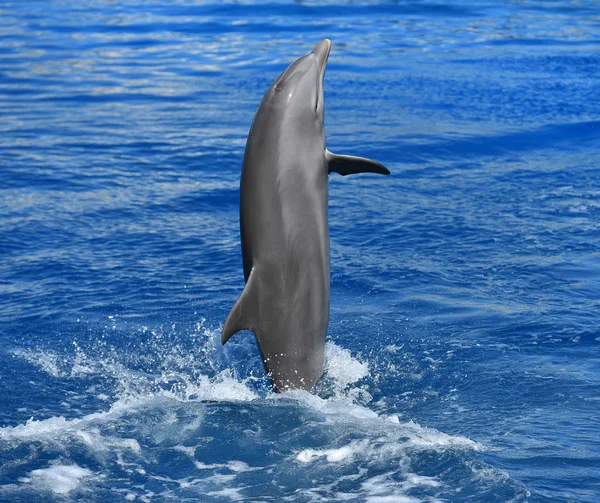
(463, 362)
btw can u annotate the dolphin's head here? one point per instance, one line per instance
(299, 89)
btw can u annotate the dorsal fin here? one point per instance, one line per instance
(349, 164)
(242, 315)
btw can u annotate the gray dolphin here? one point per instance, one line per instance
(284, 229)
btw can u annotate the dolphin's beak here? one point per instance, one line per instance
(321, 51)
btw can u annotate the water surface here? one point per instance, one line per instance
(464, 354)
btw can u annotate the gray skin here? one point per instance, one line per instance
(284, 225)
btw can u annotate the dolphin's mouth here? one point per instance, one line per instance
(321, 51)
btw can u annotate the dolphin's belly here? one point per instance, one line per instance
(285, 239)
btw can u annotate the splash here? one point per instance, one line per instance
(342, 367)
(58, 479)
(199, 425)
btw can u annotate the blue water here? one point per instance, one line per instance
(464, 354)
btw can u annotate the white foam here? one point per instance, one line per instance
(190, 451)
(332, 455)
(59, 479)
(97, 434)
(397, 498)
(342, 367)
(47, 361)
(422, 436)
(231, 493)
(222, 388)
(390, 441)
(386, 488)
(419, 480)
(233, 466)
(339, 406)
(238, 466)
(54, 427)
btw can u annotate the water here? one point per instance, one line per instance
(464, 354)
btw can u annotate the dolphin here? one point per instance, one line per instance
(284, 225)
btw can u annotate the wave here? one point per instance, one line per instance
(184, 434)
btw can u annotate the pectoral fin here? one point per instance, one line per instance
(242, 316)
(349, 165)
